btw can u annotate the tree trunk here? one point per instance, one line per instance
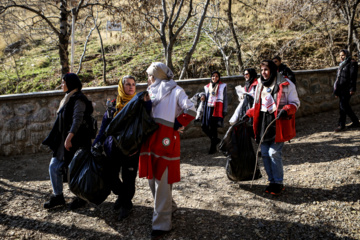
(64, 37)
(102, 50)
(169, 51)
(238, 46)
(196, 40)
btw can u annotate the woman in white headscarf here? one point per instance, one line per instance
(160, 154)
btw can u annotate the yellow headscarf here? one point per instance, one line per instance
(122, 98)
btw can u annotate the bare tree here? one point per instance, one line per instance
(196, 40)
(322, 19)
(219, 34)
(169, 19)
(348, 11)
(238, 45)
(46, 13)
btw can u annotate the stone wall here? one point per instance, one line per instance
(28, 118)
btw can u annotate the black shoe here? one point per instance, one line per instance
(117, 204)
(55, 200)
(157, 234)
(277, 189)
(77, 203)
(214, 143)
(269, 188)
(124, 213)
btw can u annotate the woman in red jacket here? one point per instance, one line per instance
(275, 98)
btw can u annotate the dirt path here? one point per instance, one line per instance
(321, 201)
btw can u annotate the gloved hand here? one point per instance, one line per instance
(282, 113)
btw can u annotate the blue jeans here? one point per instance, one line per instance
(56, 175)
(271, 153)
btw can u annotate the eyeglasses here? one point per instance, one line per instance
(246, 73)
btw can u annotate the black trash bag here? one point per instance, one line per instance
(132, 126)
(239, 151)
(87, 176)
(247, 104)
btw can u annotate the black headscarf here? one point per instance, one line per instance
(212, 83)
(252, 75)
(273, 72)
(72, 82)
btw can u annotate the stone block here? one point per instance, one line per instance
(37, 138)
(42, 115)
(313, 79)
(15, 123)
(6, 111)
(304, 83)
(318, 98)
(314, 89)
(7, 138)
(20, 135)
(24, 109)
(324, 80)
(301, 91)
(36, 127)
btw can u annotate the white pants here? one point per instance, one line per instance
(163, 202)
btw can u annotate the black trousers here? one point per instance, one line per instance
(124, 187)
(211, 129)
(345, 109)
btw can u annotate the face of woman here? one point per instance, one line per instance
(246, 75)
(64, 86)
(342, 56)
(265, 72)
(215, 78)
(129, 86)
(151, 79)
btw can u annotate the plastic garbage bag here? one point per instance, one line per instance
(87, 176)
(246, 103)
(239, 151)
(132, 126)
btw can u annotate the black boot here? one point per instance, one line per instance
(214, 143)
(55, 200)
(117, 203)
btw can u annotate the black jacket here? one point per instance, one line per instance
(286, 71)
(347, 77)
(63, 125)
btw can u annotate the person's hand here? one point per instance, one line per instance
(352, 93)
(67, 143)
(282, 113)
(181, 129)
